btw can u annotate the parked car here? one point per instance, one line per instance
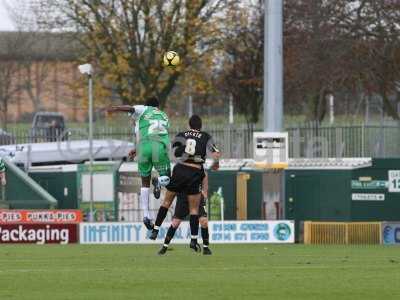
(48, 127)
(6, 138)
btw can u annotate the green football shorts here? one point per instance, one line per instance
(153, 154)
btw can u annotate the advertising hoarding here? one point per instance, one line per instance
(220, 232)
(38, 233)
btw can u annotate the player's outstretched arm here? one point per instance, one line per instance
(121, 108)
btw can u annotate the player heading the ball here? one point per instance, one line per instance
(153, 144)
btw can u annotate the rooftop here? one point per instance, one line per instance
(39, 46)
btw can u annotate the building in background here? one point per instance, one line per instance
(38, 72)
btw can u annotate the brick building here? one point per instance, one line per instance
(38, 72)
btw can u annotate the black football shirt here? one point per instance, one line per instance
(191, 146)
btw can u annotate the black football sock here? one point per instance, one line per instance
(194, 226)
(162, 213)
(169, 236)
(205, 236)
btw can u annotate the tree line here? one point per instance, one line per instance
(348, 49)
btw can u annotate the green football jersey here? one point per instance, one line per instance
(151, 123)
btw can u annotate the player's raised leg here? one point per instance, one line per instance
(175, 184)
(162, 213)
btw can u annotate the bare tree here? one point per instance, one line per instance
(315, 52)
(375, 29)
(343, 47)
(127, 38)
(242, 73)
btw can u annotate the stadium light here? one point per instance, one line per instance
(87, 69)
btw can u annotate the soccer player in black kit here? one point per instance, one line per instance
(190, 149)
(182, 211)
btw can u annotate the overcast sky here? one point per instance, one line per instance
(5, 22)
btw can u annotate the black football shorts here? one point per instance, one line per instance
(186, 180)
(182, 207)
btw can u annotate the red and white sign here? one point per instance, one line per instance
(38, 233)
(40, 216)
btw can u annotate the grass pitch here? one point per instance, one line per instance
(233, 272)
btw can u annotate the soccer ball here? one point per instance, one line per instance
(171, 59)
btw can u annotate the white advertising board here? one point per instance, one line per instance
(220, 232)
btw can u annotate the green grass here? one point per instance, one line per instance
(233, 272)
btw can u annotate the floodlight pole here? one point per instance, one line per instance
(273, 74)
(88, 70)
(273, 66)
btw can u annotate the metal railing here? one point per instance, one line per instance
(236, 141)
(344, 141)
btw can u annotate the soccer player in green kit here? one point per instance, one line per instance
(153, 146)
